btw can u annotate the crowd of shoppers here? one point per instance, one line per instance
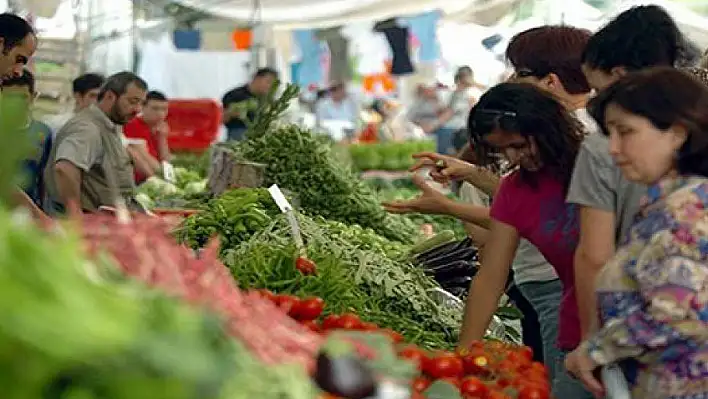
(615, 199)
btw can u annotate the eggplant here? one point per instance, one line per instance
(457, 247)
(466, 255)
(458, 281)
(458, 268)
(438, 250)
(344, 376)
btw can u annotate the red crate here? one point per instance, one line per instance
(194, 124)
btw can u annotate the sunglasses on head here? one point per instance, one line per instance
(486, 120)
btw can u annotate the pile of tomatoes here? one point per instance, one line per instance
(307, 311)
(487, 370)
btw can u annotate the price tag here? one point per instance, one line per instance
(287, 209)
(279, 198)
(168, 172)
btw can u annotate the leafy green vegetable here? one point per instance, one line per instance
(297, 160)
(355, 273)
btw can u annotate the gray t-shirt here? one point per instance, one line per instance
(598, 183)
(529, 265)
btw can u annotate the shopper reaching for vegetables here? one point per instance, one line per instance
(445, 168)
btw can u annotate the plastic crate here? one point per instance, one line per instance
(194, 124)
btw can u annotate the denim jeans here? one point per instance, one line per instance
(444, 141)
(545, 297)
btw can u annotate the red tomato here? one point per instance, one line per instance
(508, 366)
(330, 322)
(286, 302)
(312, 325)
(420, 384)
(526, 353)
(498, 395)
(267, 294)
(308, 309)
(417, 395)
(396, 337)
(476, 364)
(305, 266)
(443, 365)
(366, 326)
(416, 355)
(534, 392)
(473, 388)
(349, 321)
(538, 368)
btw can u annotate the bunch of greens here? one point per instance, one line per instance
(65, 335)
(234, 216)
(298, 160)
(380, 289)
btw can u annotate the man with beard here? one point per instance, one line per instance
(89, 165)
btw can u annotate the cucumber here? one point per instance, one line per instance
(442, 238)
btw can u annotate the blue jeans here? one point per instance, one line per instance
(545, 297)
(444, 141)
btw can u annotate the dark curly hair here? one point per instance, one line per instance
(666, 97)
(527, 110)
(641, 37)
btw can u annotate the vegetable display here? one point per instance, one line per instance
(71, 328)
(354, 272)
(303, 163)
(485, 370)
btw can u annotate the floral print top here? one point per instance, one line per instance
(653, 296)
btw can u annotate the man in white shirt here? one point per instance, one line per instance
(337, 106)
(85, 89)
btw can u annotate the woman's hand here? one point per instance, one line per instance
(579, 364)
(443, 168)
(429, 201)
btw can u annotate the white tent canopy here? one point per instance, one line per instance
(323, 13)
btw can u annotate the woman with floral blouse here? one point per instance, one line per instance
(653, 295)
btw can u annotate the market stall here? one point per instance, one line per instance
(227, 300)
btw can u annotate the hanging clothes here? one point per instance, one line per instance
(397, 37)
(425, 28)
(309, 51)
(368, 49)
(187, 39)
(339, 67)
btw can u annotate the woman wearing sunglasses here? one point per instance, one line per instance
(653, 294)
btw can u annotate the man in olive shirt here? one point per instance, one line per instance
(89, 165)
